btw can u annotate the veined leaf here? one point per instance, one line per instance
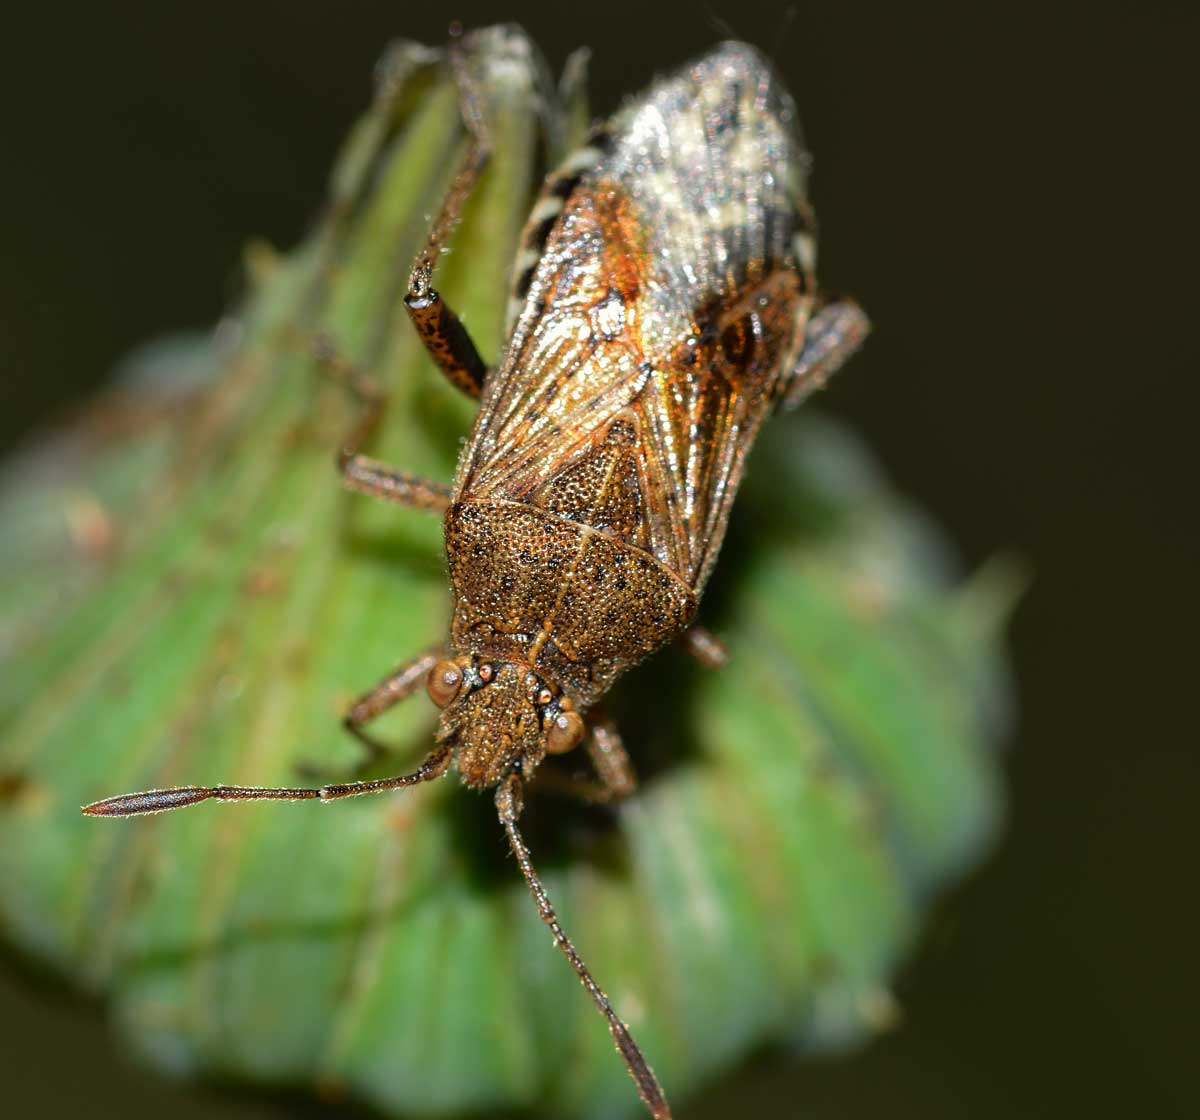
(197, 600)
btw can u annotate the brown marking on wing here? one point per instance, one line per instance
(579, 373)
(575, 358)
(700, 415)
(626, 256)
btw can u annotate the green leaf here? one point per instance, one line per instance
(197, 600)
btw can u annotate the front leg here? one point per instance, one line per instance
(611, 760)
(615, 777)
(398, 685)
(704, 646)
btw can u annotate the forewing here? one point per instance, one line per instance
(701, 416)
(572, 363)
(668, 278)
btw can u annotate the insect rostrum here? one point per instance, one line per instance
(664, 303)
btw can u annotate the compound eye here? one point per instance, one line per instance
(566, 730)
(444, 682)
(486, 673)
(544, 697)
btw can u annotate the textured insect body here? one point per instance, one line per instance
(663, 304)
(662, 299)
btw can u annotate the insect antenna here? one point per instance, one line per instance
(508, 806)
(159, 800)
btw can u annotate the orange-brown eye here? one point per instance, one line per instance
(486, 673)
(444, 682)
(566, 729)
(544, 697)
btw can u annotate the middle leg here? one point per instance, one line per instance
(360, 472)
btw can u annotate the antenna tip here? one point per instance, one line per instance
(151, 801)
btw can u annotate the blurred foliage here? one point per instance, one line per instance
(188, 596)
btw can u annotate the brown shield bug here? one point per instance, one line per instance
(664, 303)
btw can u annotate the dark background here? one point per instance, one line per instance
(1011, 191)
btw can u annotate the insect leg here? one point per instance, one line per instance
(359, 472)
(398, 685)
(609, 757)
(611, 762)
(157, 800)
(441, 331)
(447, 341)
(508, 807)
(702, 644)
(834, 332)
